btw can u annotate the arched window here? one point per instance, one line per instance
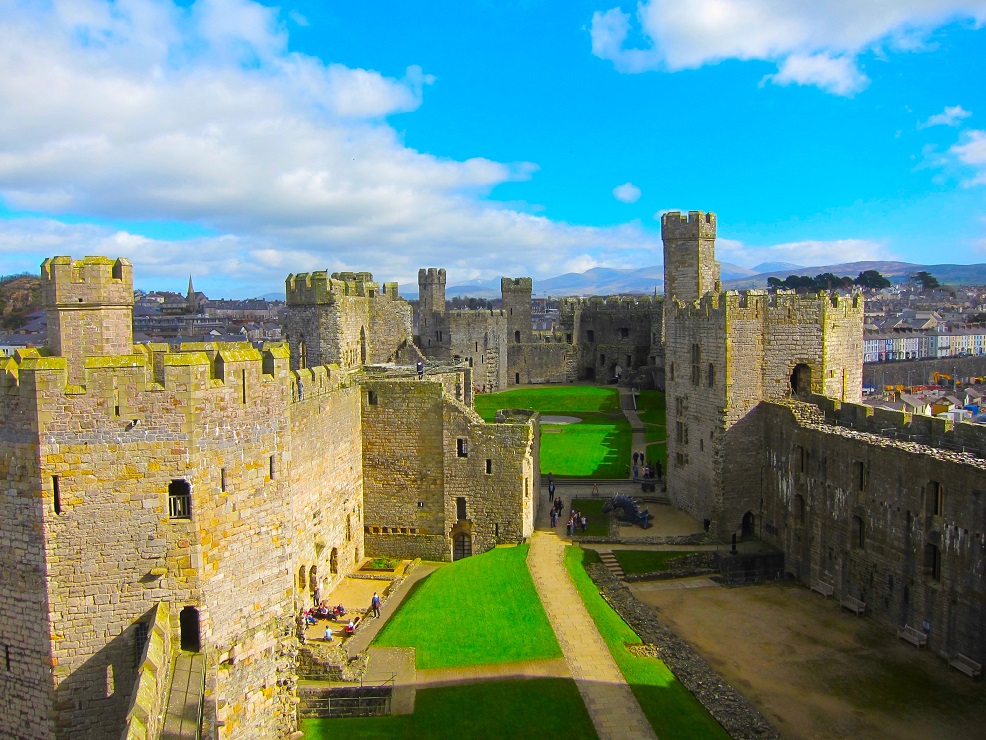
(301, 578)
(302, 353)
(334, 561)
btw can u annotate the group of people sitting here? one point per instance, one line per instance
(324, 611)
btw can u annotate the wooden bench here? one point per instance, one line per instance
(914, 636)
(823, 588)
(854, 605)
(966, 664)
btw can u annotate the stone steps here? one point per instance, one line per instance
(612, 565)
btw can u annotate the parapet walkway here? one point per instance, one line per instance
(612, 706)
(183, 716)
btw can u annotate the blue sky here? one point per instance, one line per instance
(239, 141)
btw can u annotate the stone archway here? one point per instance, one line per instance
(748, 526)
(461, 546)
(188, 622)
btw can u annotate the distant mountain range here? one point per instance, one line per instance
(609, 281)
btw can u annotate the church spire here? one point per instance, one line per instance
(191, 290)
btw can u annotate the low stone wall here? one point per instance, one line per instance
(319, 661)
(687, 566)
(737, 716)
(406, 546)
(150, 692)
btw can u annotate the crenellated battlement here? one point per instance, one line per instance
(431, 276)
(318, 288)
(91, 280)
(516, 285)
(675, 225)
(757, 303)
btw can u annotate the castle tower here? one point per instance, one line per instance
(516, 294)
(431, 291)
(690, 267)
(89, 303)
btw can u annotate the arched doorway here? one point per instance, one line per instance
(461, 546)
(748, 526)
(188, 622)
(801, 380)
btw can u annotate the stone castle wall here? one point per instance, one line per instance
(861, 512)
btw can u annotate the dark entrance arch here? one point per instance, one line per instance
(801, 380)
(461, 546)
(748, 524)
(188, 621)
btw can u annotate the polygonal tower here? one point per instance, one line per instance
(516, 293)
(690, 267)
(89, 303)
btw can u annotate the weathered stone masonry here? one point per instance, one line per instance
(219, 481)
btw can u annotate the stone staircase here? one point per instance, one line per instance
(609, 560)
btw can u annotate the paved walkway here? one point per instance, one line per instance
(612, 706)
(181, 720)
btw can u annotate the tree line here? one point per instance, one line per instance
(869, 279)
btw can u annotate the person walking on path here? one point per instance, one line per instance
(375, 604)
(551, 491)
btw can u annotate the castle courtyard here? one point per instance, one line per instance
(816, 670)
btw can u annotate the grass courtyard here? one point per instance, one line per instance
(480, 610)
(598, 446)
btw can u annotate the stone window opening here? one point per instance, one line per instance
(801, 380)
(590, 335)
(6, 658)
(477, 347)
(460, 508)
(302, 583)
(696, 364)
(271, 469)
(179, 499)
(517, 336)
(56, 494)
(859, 533)
(602, 359)
(349, 527)
(934, 498)
(517, 378)
(243, 386)
(568, 338)
(141, 631)
(712, 375)
(799, 508)
(859, 475)
(371, 398)
(671, 371)
(334, 561)
(489, 466)
(932, 561)
(624, 332)
(110, 681)
(302, 353)
(462, 447)
(496, 530)
(222, 479)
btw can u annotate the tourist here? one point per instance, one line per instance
(316, 595)
(421, 370)
(554, 517)
(636, 456)
(551, 491)
(636, 471)
(583, 523)
(375, 604)
(328, 633)
(660, 470)
(351, 627)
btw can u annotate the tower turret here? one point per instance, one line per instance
(690, 267)
(89, 303)
(516, 293)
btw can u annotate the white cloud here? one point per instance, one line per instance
(951, 116)
(972, 153)
(627, 193)
(837, 75)
(154, 112)
(808, 252)
(812, 42)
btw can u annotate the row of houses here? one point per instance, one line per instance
(907, 344)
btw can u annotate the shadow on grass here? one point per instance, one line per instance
(535, 708)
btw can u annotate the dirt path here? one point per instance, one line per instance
(815, 670)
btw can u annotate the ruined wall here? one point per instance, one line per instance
(549, 361)
(423, 449)
(896, 524)
(610, 334)
(479, 338)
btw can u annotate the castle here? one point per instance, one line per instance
(597, 339)
(199, 496)
(767, 438)
(153, 498)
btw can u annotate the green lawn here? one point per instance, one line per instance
(479, 610)
(670, 708)
(597, 523)
(645, 561)
(536, 708)
(596, 447)
(652, 411)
